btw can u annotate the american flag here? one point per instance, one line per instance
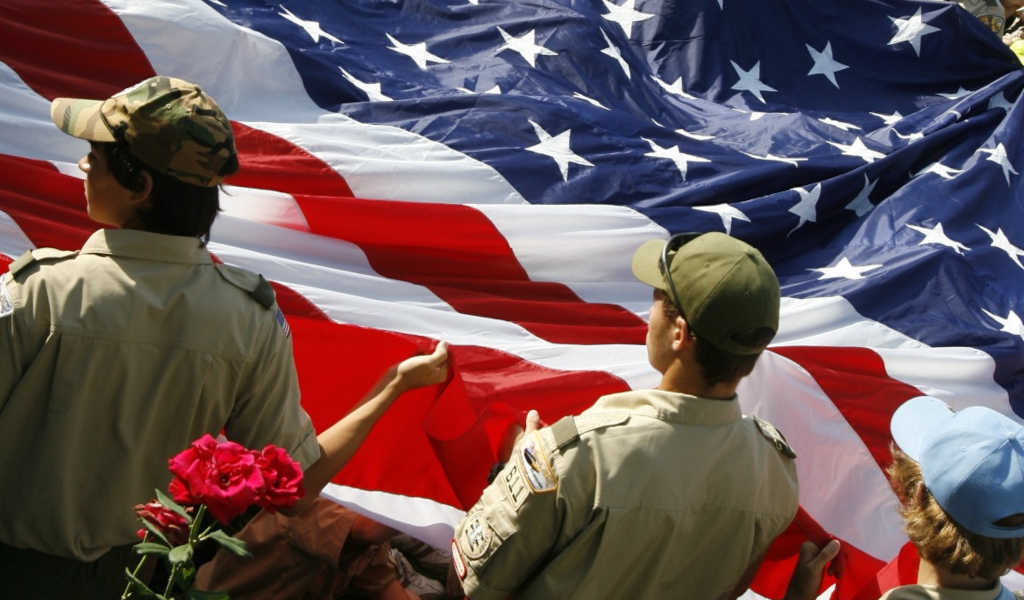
(480, 171)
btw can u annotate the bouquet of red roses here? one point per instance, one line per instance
(224, 479)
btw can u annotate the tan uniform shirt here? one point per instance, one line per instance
(113, 359)
(934, 592)
(662, 495)
(989, 12)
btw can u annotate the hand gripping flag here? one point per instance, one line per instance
(480, 171)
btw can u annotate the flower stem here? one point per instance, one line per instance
(135, 573)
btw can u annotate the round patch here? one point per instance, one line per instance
(476, 537)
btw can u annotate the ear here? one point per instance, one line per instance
(681, 337)
(141, 197)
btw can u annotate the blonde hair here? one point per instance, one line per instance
(940, 540)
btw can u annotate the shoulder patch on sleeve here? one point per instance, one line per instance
(535, 465)
(251, 283)
(773, 435)
(6, 304)
(590, 421)
(475, 537)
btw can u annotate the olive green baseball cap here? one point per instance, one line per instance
(727, 291)
(169, 124)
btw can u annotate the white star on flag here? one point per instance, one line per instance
(858, 149)
(911, 30)
(613, 51)
(1000, 101)
(726, 212)
(889, 120)
(580, 96)
(557, 148)
(998, 156)
(681, 159)
(625, 15)
(417, 52)
(936, 235)
(959, 93)
(1000, 241)
(675, 87)
(807, 207)
(939, 169)
(861, 204)
(840, 124)
(750, 81)
(844, 270)
(372, 90)
(824, 64)
(1011, 324)
(773, 157)
(525, 45)
(312, 27)
(695, 136)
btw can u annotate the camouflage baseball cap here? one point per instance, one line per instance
(169, 124)
(727, 291)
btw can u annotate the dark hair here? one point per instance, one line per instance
(175, 207)
(717, 366)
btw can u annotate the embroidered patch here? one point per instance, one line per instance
(533, 460)
(457, 560)
(514, 485)
(476, 536)
(775, 437)
(6, 304)
(283, 323)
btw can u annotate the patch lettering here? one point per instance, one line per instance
(533, 461)
(514, 485)
(6, 304)
(476, 536)
(458, 561)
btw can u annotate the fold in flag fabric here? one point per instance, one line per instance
(480, 172)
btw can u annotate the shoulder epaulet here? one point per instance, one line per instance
(773, 435)
(38, 254)
(569, 429)
(251, 283)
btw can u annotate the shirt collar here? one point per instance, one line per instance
(133, 243)
(674, 407)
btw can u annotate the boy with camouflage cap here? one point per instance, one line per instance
(116, 356)
(657, 493)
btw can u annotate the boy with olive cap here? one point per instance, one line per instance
(116, 356)
(669, 492)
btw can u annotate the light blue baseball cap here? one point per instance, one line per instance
(972, 461)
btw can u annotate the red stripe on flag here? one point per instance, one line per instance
(856, 381)
(48, 206)
(458, 254)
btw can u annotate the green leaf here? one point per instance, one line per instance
(201, 595)
(169, 502)
(231, 543)
(151, 548)
(155, 531)
(180, 554)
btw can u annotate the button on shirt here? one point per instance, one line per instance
(112, 360)
(662, 495)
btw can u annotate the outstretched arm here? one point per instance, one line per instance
(340, 441)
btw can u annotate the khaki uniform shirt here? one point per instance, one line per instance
(652, 494)
(934, 592)
(113, 359)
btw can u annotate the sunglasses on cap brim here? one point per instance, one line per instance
(672, 246)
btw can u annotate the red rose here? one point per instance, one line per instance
(223, 476)
(191, 467)
(233, 483)
(170, 523)
(282, 478)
